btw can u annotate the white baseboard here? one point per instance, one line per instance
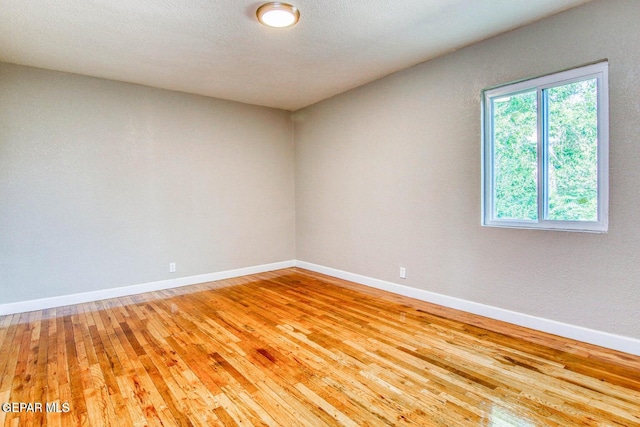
(579, 333)
(603, 339)
(62, 300)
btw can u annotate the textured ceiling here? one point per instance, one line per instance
(217, 48)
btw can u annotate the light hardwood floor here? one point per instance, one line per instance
(295, 348)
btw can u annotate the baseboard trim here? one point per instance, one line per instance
(579, 333)
(600, 338)
(62, 300)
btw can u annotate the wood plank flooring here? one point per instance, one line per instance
(295, 348)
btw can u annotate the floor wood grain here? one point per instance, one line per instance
(296, 348)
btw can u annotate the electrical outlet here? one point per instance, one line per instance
(403, 273)
(172, 267)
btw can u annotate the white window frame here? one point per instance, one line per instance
(598, 71)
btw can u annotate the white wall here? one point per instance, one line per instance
(102, 184)
(388, 175)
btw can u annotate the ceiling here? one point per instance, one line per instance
(217, 48)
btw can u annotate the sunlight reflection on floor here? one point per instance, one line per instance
(501, 417)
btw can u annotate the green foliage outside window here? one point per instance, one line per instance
(570, 123)
(572, 155)
(515, 156)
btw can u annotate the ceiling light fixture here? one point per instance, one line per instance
(278, 14)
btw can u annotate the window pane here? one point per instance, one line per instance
(515, 140)
(572, 152)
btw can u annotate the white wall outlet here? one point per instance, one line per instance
(172, 267)
(403, 273)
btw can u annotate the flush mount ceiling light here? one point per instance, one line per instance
(277, 14)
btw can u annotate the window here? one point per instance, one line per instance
(545, 152)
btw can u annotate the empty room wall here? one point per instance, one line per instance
(103, 184)
(388, 175)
